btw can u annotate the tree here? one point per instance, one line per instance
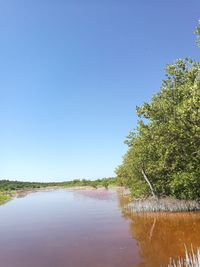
(164, 150)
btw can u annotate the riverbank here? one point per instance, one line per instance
(4, 198)
(11, 189)
(167, 204)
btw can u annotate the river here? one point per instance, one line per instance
(90, 228)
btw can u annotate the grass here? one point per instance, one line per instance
(191, 259)
(4, 199)
(163, 205)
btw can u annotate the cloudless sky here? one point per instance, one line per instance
(71, 75)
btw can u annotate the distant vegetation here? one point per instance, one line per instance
(7, 186)
(163, 157)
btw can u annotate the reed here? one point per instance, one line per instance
(163, 205)
(191, 259)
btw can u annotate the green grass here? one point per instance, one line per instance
(4, 199)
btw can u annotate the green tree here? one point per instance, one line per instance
(166, 144)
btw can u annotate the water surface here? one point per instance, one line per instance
(66, 228)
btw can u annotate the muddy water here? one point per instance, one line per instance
(66, 228)
(162, 236)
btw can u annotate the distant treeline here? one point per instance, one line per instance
(6, 185)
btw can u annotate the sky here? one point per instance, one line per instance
(72, 73)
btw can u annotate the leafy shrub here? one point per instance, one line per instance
(185, 185)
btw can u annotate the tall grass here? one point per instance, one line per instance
(191, 259)
(163, 204)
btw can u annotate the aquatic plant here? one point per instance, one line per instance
(163, 204)
(191, 259)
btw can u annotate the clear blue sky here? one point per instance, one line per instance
(71, 74)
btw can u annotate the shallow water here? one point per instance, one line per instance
(66, 228)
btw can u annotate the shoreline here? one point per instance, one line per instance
(148, 205)
(167, 204)
(8, 196)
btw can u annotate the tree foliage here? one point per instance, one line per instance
(167, 139)
(6, 185)
(197, 32)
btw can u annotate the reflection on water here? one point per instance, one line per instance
(100, 193)
(66, 228)
(90, 228)
(161, 235)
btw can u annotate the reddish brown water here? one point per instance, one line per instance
(89, 229)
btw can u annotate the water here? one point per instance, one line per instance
(66, 228)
